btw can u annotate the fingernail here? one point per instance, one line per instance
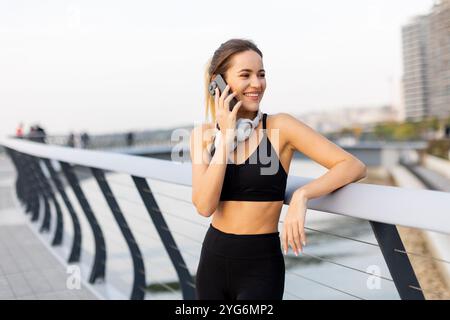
(285, 252)
(296, 253)
(304, 243)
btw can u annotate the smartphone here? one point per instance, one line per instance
(219, 82)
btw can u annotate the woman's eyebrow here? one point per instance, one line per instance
(249, 70)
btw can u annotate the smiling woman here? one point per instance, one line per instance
(242, 185)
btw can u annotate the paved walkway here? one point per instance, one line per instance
(28, 270)
(438, 181)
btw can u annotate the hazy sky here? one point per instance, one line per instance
(107, 66)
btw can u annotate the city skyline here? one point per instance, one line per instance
(92, 66)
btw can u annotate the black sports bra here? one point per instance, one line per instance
(260, 178)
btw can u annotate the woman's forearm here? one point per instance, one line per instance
(344, 172)
(208, 195)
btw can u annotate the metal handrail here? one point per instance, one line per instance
(423, 209)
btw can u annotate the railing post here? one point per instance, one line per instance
(138, 290)
(35, 169)
(399, 265)
(33, 191)
(47, 190)
(30, 198)
(20, 185)
(99, 265)
(23, 185)
(166, 237)
(76, 244)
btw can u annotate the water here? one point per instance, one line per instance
(307, 277)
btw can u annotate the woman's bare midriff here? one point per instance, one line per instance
(247, 217)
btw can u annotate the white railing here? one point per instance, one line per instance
(422, 209)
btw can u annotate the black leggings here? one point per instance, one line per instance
(240, 267)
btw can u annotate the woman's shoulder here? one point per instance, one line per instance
(289, 127)
(281, 120)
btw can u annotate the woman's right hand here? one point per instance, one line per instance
(224, 117)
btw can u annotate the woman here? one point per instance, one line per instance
(241, 255)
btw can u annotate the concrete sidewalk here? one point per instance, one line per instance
(28, 270)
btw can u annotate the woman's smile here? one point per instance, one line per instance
(252, 96)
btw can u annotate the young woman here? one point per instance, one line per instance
(241, 255)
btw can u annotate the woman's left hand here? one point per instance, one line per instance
(293, 233)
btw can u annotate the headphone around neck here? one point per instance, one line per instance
(244, 129)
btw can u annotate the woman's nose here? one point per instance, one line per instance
(256, 82)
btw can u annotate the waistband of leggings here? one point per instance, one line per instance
(243, 236)
(242, 245)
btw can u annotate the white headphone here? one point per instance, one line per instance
(244, 129)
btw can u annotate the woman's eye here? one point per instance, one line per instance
(246, 75)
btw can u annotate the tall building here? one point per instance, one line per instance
(439, 59)
(426, 64)
(415, 75)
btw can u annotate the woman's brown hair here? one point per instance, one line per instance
(220, 63)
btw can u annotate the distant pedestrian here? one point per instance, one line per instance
(84, 140)
(40, 134)
(71, 140)
(19, 131)
(130, 138)
(32, 134)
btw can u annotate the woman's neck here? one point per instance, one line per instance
(246, 114)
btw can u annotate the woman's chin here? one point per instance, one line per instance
(252, 106)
